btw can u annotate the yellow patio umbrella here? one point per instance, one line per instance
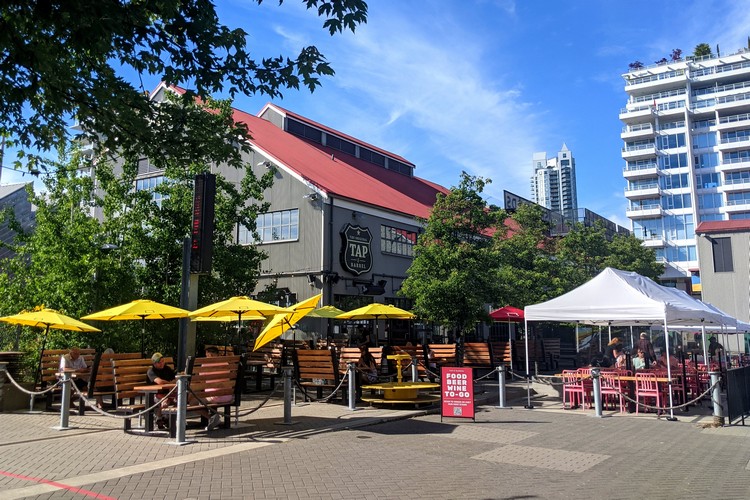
(325, 312)
(48, 318)
(141, 309)
(282, 322)
(377, 311)
(241, 307)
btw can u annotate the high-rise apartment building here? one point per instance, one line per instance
(553, 184)
(687, 152)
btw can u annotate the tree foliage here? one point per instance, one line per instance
(60, 59)
(451, 278)
(702, 50)
(458, 270)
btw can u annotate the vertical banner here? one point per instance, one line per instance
(457, 392)
(202, 228)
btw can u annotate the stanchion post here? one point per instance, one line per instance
(595, 373)
(716, 398)
(3, 368)
(287, 395)
(351, 369)
(182, 397)
(65, 404)
(414, 369)
(501, 387)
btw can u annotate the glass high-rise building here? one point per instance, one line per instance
(686, 150)
(553, 184)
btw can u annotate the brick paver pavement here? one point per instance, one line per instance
(506, 453)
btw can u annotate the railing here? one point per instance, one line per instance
(644, 207)
(733, 98)
(743, 180)
(636, 109)
(704, 104)
(639, 147)
(634, 168)
(642, 187)
(742, 201)
(741, 159)
(734, 118)
(652, 78)
(638, 128)
(730, 140)
(720, 88)
(659, 95)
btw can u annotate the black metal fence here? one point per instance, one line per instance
(738, 393)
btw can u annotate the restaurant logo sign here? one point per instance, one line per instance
(356, 246)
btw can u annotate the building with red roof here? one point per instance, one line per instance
(344, 214)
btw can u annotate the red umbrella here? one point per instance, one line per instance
(507, 313)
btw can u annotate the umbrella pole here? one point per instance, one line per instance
(143, 334)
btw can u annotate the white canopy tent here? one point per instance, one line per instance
(617, 297)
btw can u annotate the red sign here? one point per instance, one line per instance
(457, 392)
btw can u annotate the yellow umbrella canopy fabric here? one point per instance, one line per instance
(141, 309)
(138, 309)
(241, 306)
(230, 317)
(325, 312)
(377, 311)
(282, 322)
(49, 318)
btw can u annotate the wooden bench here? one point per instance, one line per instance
(266, 362)
(502, 353)
(569, 355)
(49, 367)
(101, 378)
(551, 348)
(478, 355)
(442, 354)
(536, 354)
(223, 350)
(128, 374)
(213, 383)
(316, 368)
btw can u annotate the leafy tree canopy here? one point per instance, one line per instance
(451, 278)
(60, 59)
(702, 49)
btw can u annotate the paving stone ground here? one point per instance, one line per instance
(332, 452)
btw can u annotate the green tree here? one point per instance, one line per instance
(528, 270)
(627, 252)
(451, 278)
(702, 50)
(583, 251)
(60, 59)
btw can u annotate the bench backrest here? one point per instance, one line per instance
(501, 352)
(271, 354)
(215, 376)
(551, 347)
(477, 355)
(443, 354)
(130, 373)
(102, 376)
(224, 350)
(536, 350)
(417, 355)
(50, 364)
(315, 364)
(348, 355)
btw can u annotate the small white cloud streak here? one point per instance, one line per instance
(433, 84)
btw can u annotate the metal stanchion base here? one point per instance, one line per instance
(285, 423)
(58, 428)
(671, 419)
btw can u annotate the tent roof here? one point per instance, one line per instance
(625, 298)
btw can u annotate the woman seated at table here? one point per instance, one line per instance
(619, 357)
(662, 361)
(639, 361)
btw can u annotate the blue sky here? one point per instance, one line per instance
(480, 85)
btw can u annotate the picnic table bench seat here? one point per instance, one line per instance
(101, 377)
(213, 383)
(128, 374)
(49, 367)
(316, 368)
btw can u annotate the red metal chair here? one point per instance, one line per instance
(587, 385)
(572, 389)
(612, 389)
(646, 388)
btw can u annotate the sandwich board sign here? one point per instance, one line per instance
(456, 392)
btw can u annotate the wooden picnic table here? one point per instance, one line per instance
(150, 391)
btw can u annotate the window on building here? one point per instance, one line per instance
(150, 184)
(397, 241)
(302, 130)
(704, 140)
(674, 181)
(712, 200)
(703, 181)
(722, 251)
(672, 141)
(272, 226)
(673, 161)
(340, 144)
(372, 156)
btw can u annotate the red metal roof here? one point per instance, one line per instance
(723, 226)
(342, 175)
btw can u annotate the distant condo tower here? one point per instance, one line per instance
(686, 152)
(553, 184)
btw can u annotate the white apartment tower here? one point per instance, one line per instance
(687, 153)
(553, 184)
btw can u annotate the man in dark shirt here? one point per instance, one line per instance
(160, 373)
(647, 347)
